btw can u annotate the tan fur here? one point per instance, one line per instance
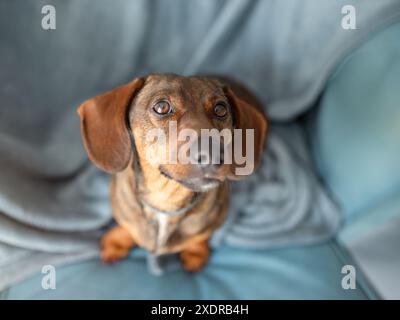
(195, 225)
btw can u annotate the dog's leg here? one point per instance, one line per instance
(195, 256)
(116, 244)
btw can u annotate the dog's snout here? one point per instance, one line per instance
(203, 159)
(206, 159)
(211, 153)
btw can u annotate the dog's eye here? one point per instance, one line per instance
(220, 110)
(162, 108)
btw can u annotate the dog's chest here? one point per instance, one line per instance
(168, 231)
(163, 229)
(161, 232)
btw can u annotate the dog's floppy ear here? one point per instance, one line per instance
(247, 114)
(105, 129)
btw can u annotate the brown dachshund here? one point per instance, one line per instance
(161, 206)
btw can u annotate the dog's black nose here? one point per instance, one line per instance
(206, 155)
(206, 159)
(203, 159)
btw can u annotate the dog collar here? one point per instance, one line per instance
(178, 212)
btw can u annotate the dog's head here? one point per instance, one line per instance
(172, 121)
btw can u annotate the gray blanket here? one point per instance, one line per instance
(54, 203)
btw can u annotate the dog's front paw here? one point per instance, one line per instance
(116, 244)
(110, 254)
(195, 257)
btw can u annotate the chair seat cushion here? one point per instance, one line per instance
(307, 272)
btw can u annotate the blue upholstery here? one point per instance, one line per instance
(357, 128)
(299, 273)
